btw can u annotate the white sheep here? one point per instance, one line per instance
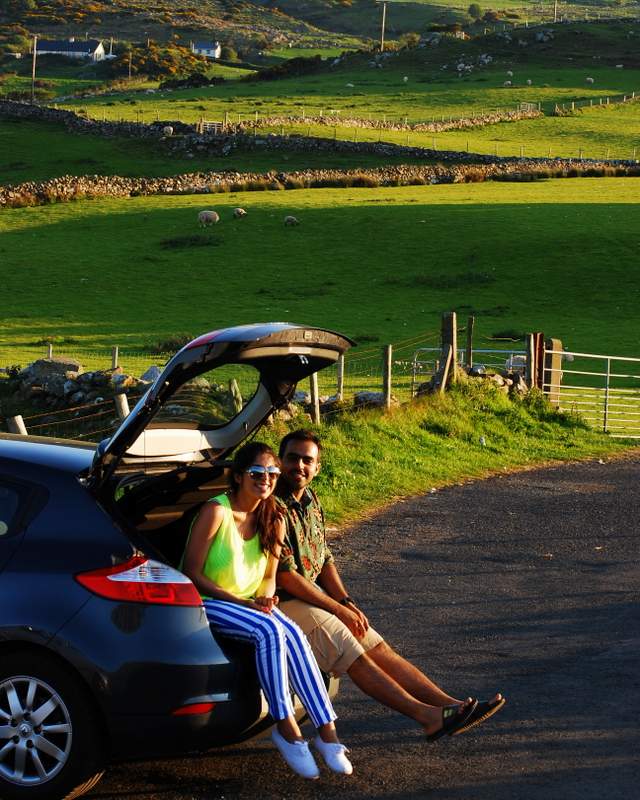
(509, 74)
(590, 80)
(529, 81)
(405, 79)
(507, 84)
(206, 218)
(350, 85)
(167, 131)
(238, 213)
(290, 220)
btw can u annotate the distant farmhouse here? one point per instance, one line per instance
(207, 49)
(84, 48)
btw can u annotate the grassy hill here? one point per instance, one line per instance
(379, 264)
(546, 73)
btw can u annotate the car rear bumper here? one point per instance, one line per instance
(143, 663)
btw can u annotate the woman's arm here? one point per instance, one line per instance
(203, 533)
(265, 595)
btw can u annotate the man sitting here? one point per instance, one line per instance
(312, 593)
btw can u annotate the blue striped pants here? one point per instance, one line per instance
(283, 657)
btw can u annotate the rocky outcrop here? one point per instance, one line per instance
(58, 383)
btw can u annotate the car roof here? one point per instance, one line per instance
(64, 455)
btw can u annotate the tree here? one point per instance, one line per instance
(228, 53)
(20, 6)
(474, 11)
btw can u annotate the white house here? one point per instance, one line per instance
(207, 49)
(83, 48)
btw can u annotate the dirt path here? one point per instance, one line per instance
(526, 583)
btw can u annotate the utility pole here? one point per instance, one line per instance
(384, 19)
(33, 68)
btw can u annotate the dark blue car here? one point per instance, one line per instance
(105, 650)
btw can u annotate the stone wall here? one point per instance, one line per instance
(454, 167)
(476, 121)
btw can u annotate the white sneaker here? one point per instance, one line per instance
(334, 756)
(297, 755)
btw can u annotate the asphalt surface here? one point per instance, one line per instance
(525, 583)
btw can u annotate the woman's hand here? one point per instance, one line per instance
(264, 603)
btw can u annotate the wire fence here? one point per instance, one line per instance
(358, 381)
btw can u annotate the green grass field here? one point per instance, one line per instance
(40, 151)
(377, 264)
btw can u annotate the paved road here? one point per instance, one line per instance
(526, 583)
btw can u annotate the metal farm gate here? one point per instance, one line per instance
(604, 390)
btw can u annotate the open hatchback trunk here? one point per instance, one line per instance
(169, 454)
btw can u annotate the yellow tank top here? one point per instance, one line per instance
(235, 564)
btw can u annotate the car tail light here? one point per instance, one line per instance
(192, 709)
(141, 580)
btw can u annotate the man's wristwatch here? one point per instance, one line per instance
(346, 601)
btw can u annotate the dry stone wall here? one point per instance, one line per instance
(452, 167)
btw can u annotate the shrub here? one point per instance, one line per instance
(366, 181)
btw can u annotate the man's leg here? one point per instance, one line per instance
(416, 683)
(375, 682)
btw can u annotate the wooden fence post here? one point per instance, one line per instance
(450, 337)
(387, 355)
(444, 369)
(468, 358)
(236, 395)
(49, 350)
(16, 425)
(315, 398)
(552, 380)
(340, 386)
(121, 403)
(115, 352)
(530, 373)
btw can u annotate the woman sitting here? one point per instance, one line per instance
(231, 557)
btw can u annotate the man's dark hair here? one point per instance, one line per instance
(301, 435)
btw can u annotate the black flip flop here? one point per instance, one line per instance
(482, 712)
(453, 718)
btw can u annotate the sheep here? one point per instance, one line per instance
(529, 81)
(167, 131)
(206, 218)
(507, 84)
(509, 74)
(290, 220)
(238, 213)
(405, 79)
(350, 85)
(590, 80)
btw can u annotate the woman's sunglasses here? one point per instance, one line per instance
(257, 472)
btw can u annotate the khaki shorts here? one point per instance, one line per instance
(333, 644)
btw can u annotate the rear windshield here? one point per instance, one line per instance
(213, 398)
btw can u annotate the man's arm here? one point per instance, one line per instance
(301, 588)
(330, 580)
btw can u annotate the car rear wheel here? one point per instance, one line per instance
(49, 738)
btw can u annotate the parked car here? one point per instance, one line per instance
(105, 650)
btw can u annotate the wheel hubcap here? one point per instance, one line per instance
(35, 731)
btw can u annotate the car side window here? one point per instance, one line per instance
(9, 504)
(20, 502)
